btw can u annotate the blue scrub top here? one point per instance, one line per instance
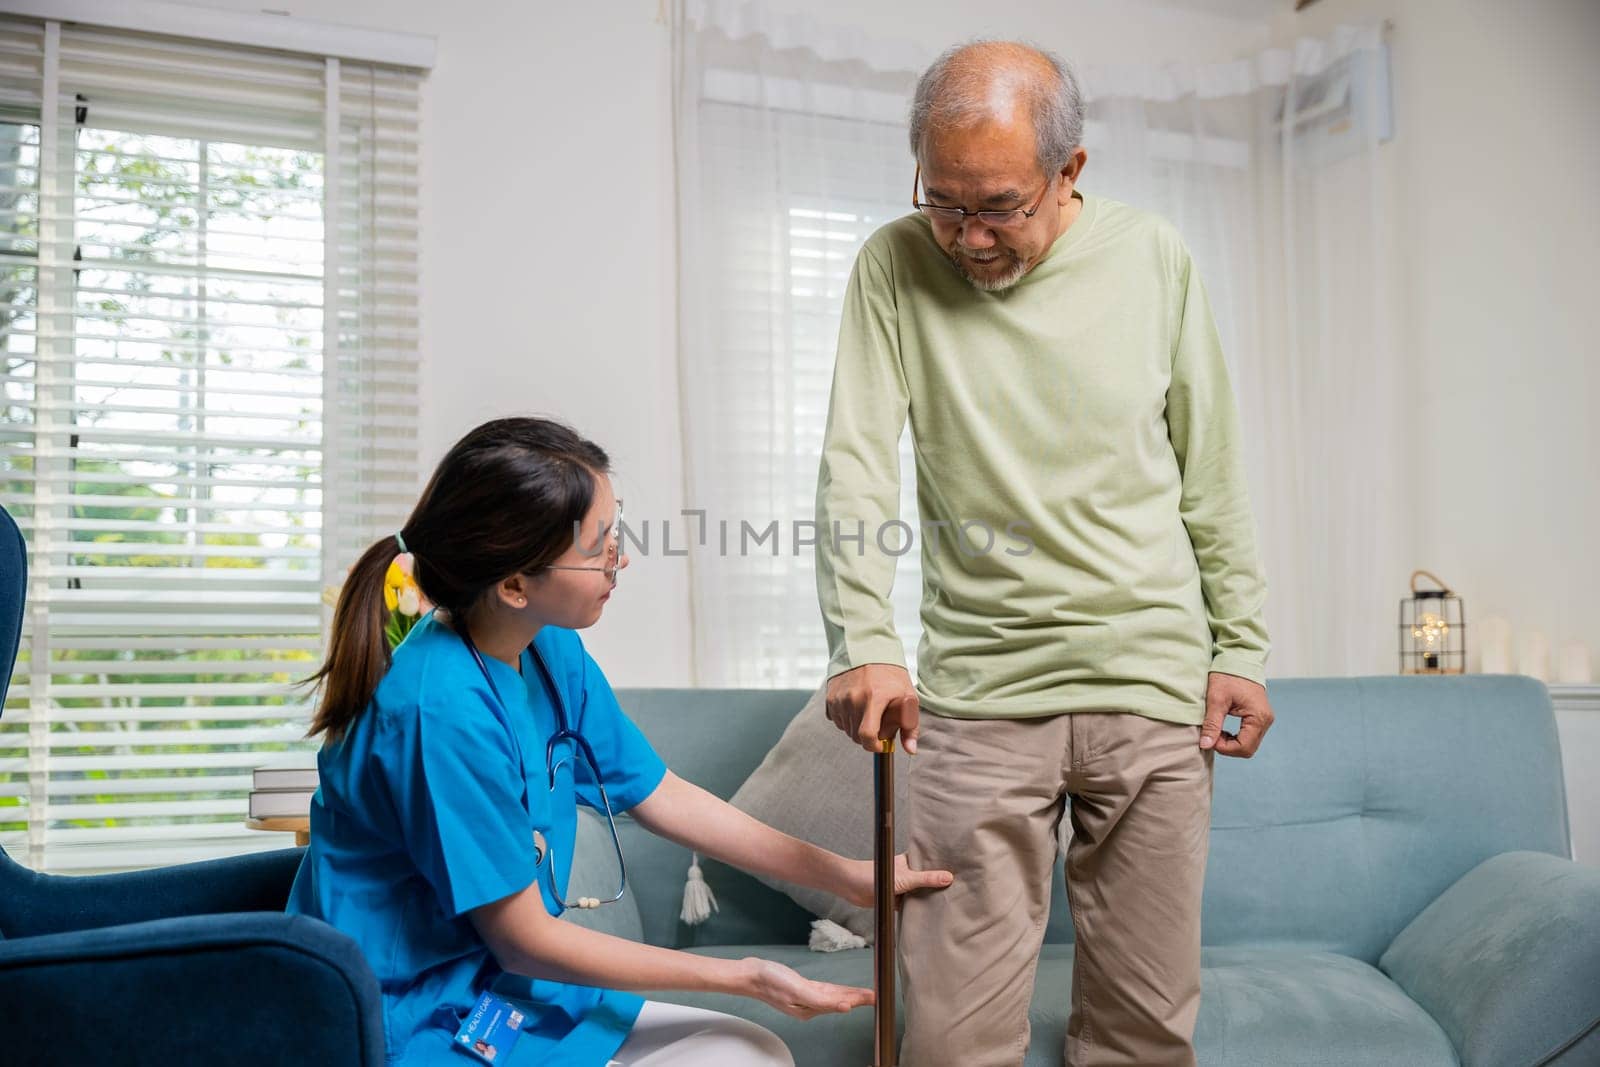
(427, 808)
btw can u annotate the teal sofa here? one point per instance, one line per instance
(1389, 884)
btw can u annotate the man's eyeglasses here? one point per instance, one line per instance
(997, 219)
(613, 561)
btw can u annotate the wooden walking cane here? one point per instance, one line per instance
(883, 882)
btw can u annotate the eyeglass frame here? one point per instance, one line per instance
(963, 214)
(616, 565)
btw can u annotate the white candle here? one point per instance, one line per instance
(1494, 646)
(1573, 664)
(1533, 656)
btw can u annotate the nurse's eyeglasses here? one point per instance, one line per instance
(613, 552)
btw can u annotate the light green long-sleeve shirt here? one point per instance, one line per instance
(1084, 420)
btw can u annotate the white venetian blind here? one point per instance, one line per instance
(208, 334)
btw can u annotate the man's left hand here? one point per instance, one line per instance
(1227, 694)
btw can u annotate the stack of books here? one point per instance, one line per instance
(284, 790)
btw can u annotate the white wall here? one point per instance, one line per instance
(1494, 168)
(547, 205)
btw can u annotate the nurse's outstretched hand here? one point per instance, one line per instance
(861, 881)
(795, 995)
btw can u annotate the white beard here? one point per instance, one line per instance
(994, 283)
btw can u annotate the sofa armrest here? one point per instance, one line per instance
(32, 903)
(249, 988)
(1507, 960)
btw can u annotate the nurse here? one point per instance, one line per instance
(442, 834)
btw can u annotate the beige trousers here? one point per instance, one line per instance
(986, 799)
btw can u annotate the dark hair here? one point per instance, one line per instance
(504, 500)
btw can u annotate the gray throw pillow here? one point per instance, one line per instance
(816, 784)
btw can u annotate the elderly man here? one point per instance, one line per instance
(1091, 593)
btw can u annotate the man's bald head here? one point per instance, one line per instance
(1001, 82)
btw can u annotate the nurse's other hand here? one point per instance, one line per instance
(861, 889)
(795, 995)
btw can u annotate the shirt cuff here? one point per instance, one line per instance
(868, 650)
(1240, 666)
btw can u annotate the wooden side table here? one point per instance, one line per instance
(300, 824)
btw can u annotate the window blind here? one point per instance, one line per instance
(208, 282)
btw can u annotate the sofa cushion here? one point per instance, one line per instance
(816, 784)
(1258, 1007)
(1508, 958)
(1269, 1007)
(713, 738)
(594, 874)
(1370, 797)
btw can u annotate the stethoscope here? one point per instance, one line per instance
(564, 732)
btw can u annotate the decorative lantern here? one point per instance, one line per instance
(1433, 630)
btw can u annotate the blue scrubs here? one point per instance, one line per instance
(427, 809)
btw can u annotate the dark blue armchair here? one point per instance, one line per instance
(193, 964)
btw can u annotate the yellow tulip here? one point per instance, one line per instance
(394, 581)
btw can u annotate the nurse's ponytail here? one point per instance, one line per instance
(358, 650)
(504, 500)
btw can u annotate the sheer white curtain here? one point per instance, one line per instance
(1290, 223)
(791, 149)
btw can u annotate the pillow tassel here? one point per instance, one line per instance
(698, 899)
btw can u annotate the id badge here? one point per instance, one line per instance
(489, 1030)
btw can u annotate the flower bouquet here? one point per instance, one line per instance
(401, 597)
